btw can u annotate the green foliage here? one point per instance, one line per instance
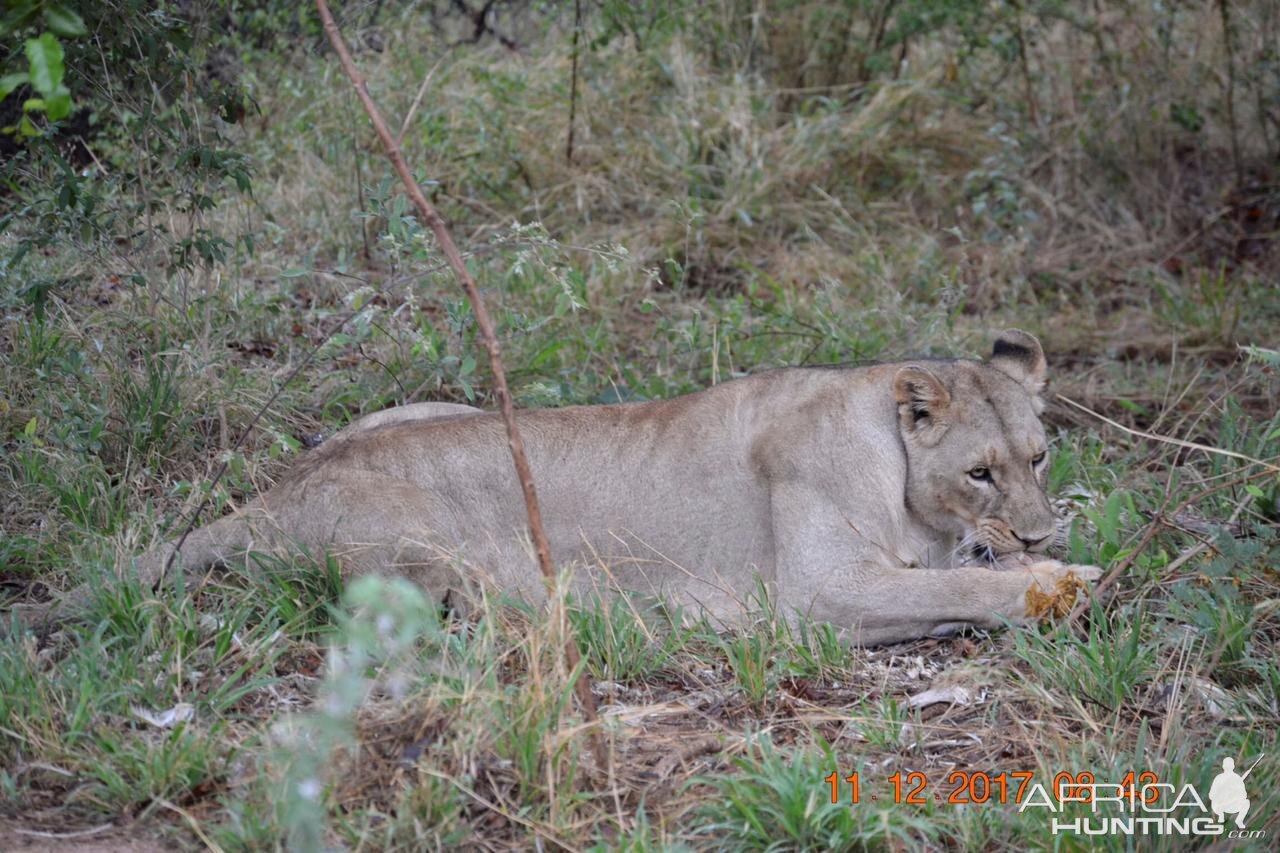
(1224, 623)
(387, 622)
(881, 722)
(301, 592)
(622, 638)
(44, 54)
(1106, 667)
(777, 800)
(751, 658)
(819, 650)
(1110, 524)
(115, 131)
(133, 653)
(1269, 357)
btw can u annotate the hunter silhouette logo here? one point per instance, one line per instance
(1149, 808)
(1227, 794)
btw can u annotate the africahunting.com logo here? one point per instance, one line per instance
(1146, 806)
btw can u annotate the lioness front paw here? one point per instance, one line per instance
(1086, 573)
(1057, 569)
(1054, 587)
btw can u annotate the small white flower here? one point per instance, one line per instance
(309, 789)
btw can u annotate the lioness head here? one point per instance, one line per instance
(976, 450)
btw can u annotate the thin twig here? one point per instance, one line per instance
(1033, 112)
(364, 222)
(1206, 544)
(573, 80)
(1190, 445)
(1153, 527)
(417, 101)
(1187, 556)
(80, 833)
(1225, 14)
(490, 338)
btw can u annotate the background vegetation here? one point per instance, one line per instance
(191, 201)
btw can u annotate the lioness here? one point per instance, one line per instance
(858, 496)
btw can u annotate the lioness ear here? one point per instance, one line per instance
(1018, 355)
(923, 402)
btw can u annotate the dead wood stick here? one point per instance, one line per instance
(1153, 527)
(490, 339)
(573, 80)
(417, 101)
(1151, 436)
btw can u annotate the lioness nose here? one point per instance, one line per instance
(1034, 541)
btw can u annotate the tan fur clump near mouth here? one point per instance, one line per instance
(1056, 603)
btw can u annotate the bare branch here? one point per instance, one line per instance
(489, 336)
(1189, 445)
(573, 80)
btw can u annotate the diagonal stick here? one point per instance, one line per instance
(514, 441)
(1189, 445)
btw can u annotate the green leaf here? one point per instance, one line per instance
(63, 21)
(9, 82)
(58, 105)
(1255, 491)
(21, 13)
(30, 429)
(44, 56)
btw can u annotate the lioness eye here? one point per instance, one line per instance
(1035, 463)
(980, 473)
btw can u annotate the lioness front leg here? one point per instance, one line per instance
(884, 605)
(845, 571)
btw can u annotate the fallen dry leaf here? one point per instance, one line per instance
(952, 694)
(180, 713)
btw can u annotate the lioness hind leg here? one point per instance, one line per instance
(371, 523)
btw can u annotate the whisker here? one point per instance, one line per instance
(960, 546)
(964, 548)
